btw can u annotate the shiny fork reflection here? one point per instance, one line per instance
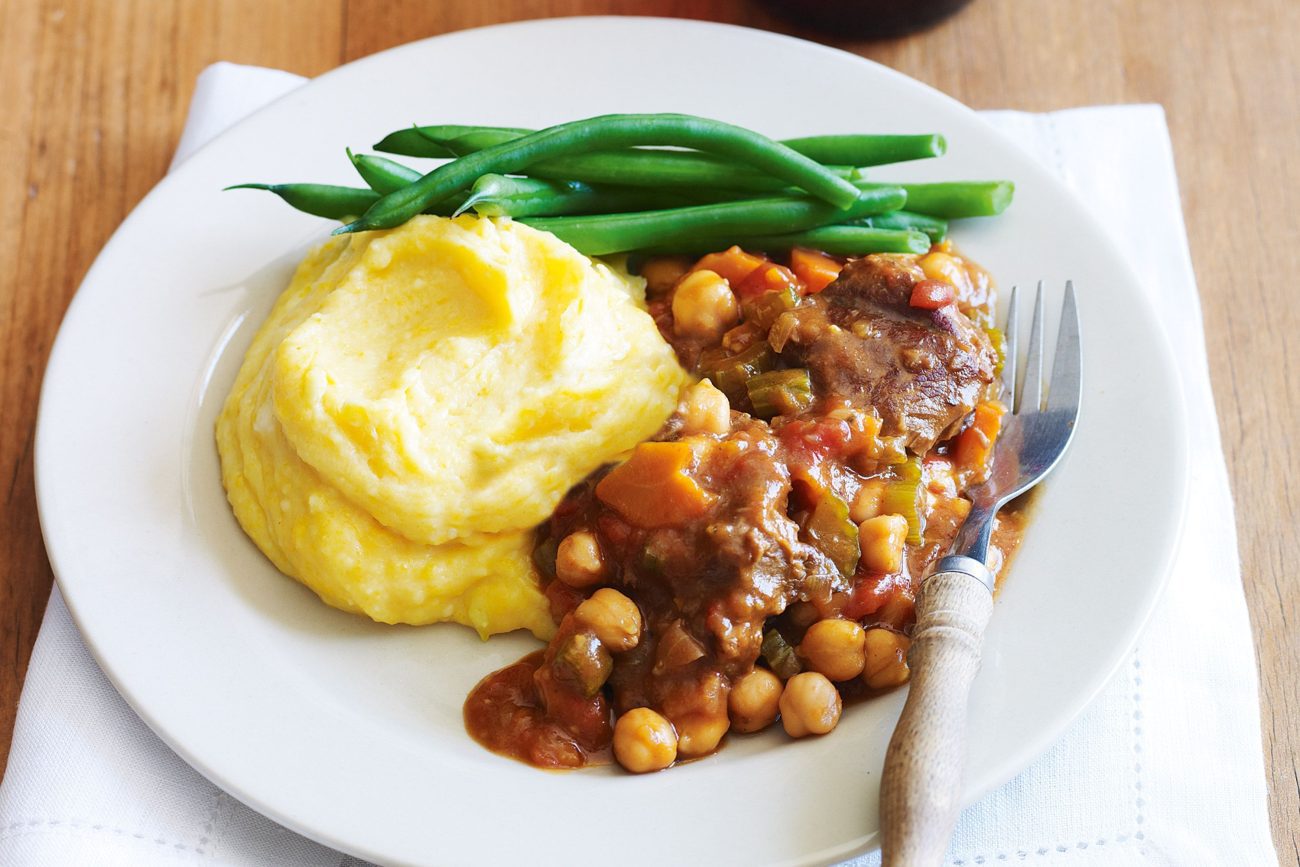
(1037, 431)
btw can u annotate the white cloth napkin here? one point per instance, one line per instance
(1164, 768)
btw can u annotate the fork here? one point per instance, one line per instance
(923, 766)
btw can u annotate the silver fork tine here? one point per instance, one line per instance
(1031, 391)
(1010, 334)
(1065, 390)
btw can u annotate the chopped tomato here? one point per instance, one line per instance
(614, 528)
(815, 270)
(870, 593)
(766, 278)
(823, 438)
(932, 294)
(562, 599)
(571, 503)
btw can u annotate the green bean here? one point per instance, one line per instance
(837, 240)
(609, 132)
(425, 141)
(954, 199)
(382, 175)
(501, 196)
(868, 150)
(632, 167)
(321, 200)
(669, 169)
(386, 176)
(843, 241)
(616, 233)
(853, 149)
(935, 227)
(476, 140)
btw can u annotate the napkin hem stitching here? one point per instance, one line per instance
(1139, 799)
(45, 826)
(212, 830)
(1138, 837)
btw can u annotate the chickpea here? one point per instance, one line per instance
(866, 503)
(704, 306)
(834, 648)
(699, 734)
(886, 659)
(697, 707)
(899, 609)
(578, 561)
(755, 701)
(704, 409)
(644, 741)
(810, 705)
(662, 272)
(882, 539)
(613, 617)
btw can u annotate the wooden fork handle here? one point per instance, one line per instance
(921, 786)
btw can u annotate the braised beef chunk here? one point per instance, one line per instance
(707, 585)
(923, 371)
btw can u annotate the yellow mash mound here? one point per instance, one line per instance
(420, 399)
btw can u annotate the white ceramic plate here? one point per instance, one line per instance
(350, 732)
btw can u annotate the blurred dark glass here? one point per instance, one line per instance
(864, 19)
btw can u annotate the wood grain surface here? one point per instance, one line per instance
(95, 93)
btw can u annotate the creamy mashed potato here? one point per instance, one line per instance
(419, 399)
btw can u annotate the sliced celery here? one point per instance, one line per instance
(585, 661)
(780, 655)
(765, 308)
(730, 373)
(780, 392)
(903, 497)
(833, 532)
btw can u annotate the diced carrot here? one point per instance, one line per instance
(654, 488)
(734, 264)
(975, 444)
(931, 294)
(815, 270)
(767, 277)
(871, 425)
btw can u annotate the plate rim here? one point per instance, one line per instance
(1013, 763)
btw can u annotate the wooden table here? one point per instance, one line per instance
(95, 94)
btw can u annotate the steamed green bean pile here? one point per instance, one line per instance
(658, 183)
